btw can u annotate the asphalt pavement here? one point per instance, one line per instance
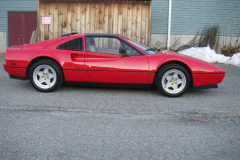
(112, 123)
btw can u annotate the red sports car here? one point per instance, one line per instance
(107, 59)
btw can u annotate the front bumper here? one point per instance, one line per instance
(207, 79)
(206, 86)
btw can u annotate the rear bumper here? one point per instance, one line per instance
(16, 71)
(17, 77)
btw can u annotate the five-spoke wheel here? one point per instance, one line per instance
(45, 75)
(173, 80)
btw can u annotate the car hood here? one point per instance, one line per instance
(195, 65)
(169, 52)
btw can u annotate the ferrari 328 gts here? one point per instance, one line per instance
(108, 59)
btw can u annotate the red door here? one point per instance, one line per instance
(104, 62)
(107, 68)
(20, 27)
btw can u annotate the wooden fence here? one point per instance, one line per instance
(131, 19)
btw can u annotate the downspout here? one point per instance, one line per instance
(169, 23)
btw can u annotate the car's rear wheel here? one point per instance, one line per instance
(45, 75)
(173, 80)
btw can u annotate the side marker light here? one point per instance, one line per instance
(201, 70)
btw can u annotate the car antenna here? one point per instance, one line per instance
(19, 41)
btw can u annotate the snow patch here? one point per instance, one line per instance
(235, 60)
(209, 55)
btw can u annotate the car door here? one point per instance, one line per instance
(105, 64)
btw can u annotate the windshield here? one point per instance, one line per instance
(143, 47)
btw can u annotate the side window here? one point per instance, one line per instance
(75, 45)
(103, 45)
(130, 50)
(109, 45)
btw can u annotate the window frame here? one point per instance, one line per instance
(82, 45)
(120, 40)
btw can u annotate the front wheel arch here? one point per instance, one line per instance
(173, 80)
(174, 62)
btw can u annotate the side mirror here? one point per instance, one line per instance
(123, 52)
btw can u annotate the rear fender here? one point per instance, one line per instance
(40, 58)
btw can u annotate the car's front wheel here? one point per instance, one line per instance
(45, 75)
(173, 80)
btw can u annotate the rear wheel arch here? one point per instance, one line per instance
(175, 62)
(41, 58)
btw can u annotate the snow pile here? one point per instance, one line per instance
(209, 55)
(235, 60)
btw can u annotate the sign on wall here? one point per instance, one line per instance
(46, 20)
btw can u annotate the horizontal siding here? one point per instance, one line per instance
(191, 16)
(14, 5)
(188, 16)
(159, 16)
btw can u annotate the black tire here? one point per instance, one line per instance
(46, 75)
(173, 80)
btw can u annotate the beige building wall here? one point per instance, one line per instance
(159, 41)
(3, 43)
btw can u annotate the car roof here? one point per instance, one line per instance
(101, 35)
(68, 34)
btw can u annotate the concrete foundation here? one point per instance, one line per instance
(159, 41)
(3, 44)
